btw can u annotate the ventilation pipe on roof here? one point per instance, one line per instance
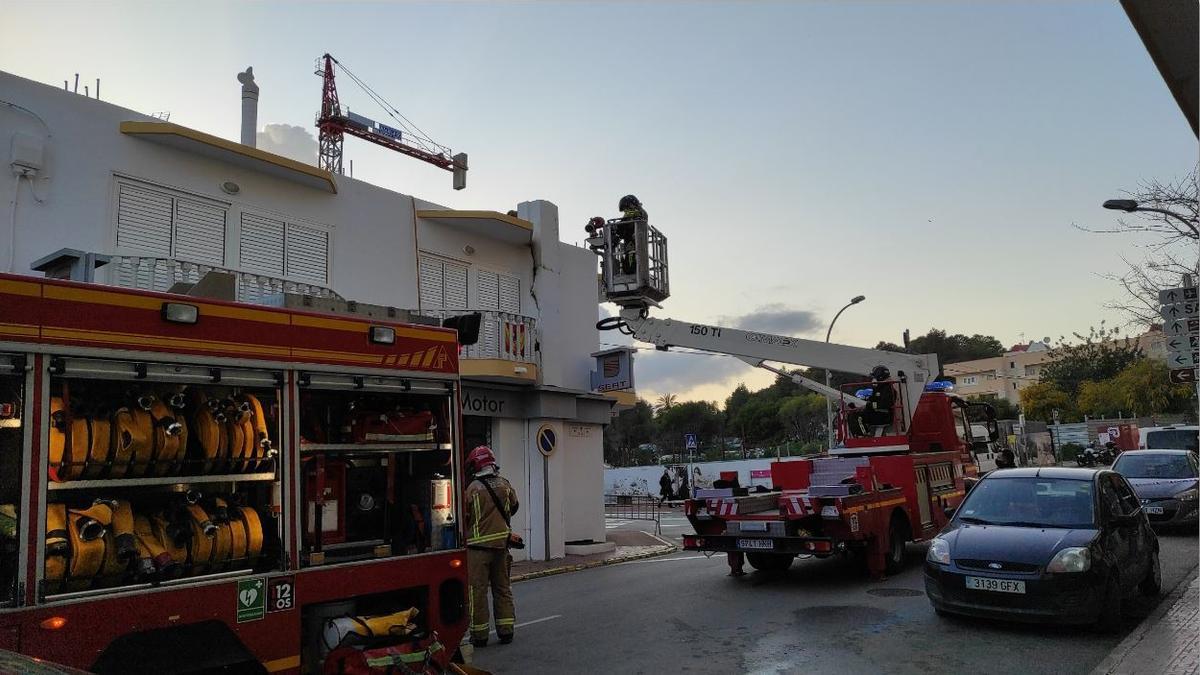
(249, 107)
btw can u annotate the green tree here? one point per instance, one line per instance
(1100, 399)
(1098, 356)
(629, 430)
(1040, 400)
(665, 402)
(950, 348)
(803, 417)
(690, 417)
(1144, 388)
(758, 422)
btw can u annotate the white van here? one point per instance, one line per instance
(1171, 437)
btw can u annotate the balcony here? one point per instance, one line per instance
(505, 351)
(160, 274)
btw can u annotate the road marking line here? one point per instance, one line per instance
(467, 639)
(656, 560)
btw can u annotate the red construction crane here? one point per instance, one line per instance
(408, 139)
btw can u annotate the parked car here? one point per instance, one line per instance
(1167, 483)
(1172, 437)
(1056, 544)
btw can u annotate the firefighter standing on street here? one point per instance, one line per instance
(490, 505)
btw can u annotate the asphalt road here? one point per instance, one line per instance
(682, 614)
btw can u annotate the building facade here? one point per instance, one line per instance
(165, 204)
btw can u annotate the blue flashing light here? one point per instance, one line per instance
(863, 393)
(944, 386)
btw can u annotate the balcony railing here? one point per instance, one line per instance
(159, 274)
(505, 336)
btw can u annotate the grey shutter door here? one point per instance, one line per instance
(260, 252)
(143, 222)
(307, 255)
(510, 295)
(431, 284)
(488, 289)
(199, 232)
(454, 285)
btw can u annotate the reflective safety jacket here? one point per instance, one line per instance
(486, 526)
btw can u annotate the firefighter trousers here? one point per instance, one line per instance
(490, 567)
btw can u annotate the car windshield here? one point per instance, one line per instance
(1146, 464)
(1173, 439)
(1030, 502)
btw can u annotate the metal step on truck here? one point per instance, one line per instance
(905, 440)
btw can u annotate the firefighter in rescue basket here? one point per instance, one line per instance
(490, 505)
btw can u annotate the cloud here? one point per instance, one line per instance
(290, 141)
(677, 371)
(775, 318)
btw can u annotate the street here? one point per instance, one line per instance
(681, 613)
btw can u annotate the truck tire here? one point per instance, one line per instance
(896, 555)
(770, 562)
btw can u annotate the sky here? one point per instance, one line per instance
(934, 156)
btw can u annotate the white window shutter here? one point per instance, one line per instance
(260, 253)
(488, 289)
(307, 254)
(143, 222)
(454, 283)
(510, 295)
(431, 284)
(199, 232)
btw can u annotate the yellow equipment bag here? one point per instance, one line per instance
(58, 545)
(122, 529)
(99, 436)
(356, 629)
(209, 443)
(174, 537)
(260, 434)
(254, 532)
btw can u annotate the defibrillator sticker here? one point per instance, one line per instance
(251, 600)
(854, 522)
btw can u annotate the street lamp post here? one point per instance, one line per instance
(829, 402)
(1131, 206)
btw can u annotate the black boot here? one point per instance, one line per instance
(479, 642)
(506, 639)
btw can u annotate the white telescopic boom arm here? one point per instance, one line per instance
(914, 370)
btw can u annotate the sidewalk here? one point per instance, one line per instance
(1167, 642)
(631, 545)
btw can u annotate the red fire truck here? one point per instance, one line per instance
(899, 466)
(189, 483)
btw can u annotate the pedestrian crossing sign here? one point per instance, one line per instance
(689, 442)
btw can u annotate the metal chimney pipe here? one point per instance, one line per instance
(76, 83)
(97, 89)
(249, 107)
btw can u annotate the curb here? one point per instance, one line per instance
(666, 549)
(1121, 651)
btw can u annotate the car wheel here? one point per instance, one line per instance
(770, 562)
(897, 537)
(1111, 610)
(1152, 585)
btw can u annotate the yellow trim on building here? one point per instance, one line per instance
(624, 397)
(21, 288)
(165, 129)
(497, 368)
(450, 214)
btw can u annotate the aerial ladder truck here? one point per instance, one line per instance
(879, 488)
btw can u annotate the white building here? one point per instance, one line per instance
(168, 203)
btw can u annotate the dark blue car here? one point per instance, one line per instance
(1044, 544)
(1165, 481)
